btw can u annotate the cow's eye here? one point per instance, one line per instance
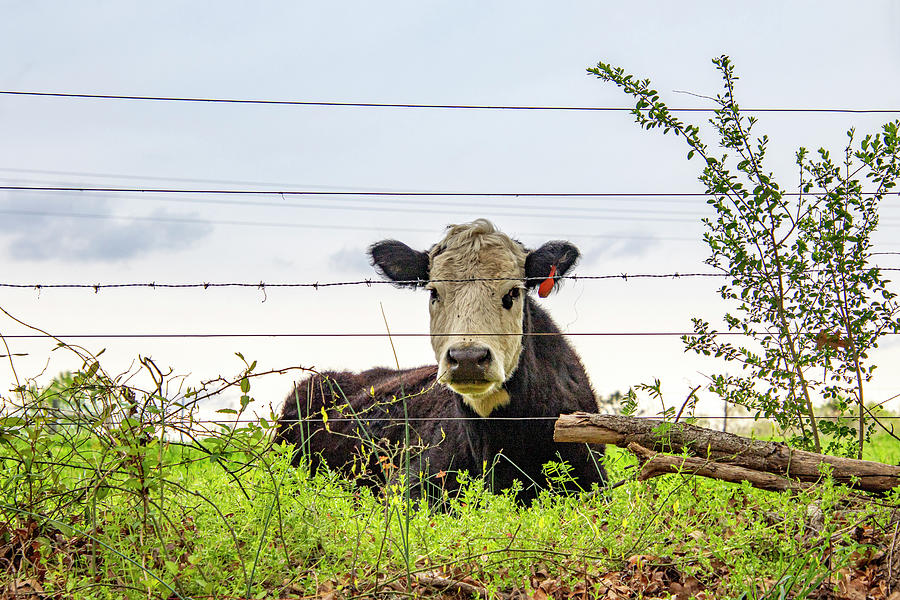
(434, 295)
(508, 298)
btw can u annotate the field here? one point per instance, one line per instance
(88, 516)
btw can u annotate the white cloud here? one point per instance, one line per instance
(42, 227)
(353, 260)
(624, 247)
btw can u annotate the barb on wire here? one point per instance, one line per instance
(318, 284)
(317, 418)
(261, 285)
(756, 334)
(547, 418)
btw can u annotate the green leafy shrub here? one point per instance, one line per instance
(797, 267)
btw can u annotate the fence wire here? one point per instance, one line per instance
(262, 285)
(27, 336)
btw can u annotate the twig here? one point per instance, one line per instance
(445, 584)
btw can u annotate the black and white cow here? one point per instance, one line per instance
(502, 368)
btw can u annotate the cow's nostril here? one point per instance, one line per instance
(469, 354)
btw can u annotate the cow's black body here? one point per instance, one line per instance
(366, 411)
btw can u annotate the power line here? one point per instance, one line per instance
(291, 189)
(406, 105)
(408, 205)
(370, 203)
(604, 214)
(379, 203)
(321, 226)
(282, 224)
(309, 192)
(453, 208)
(95, 175)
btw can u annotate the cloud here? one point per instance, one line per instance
(351, 260)
(43, 227)
(622, 247)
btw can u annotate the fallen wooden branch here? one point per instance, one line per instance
(452, 585)
(660, 464)
(721, 447)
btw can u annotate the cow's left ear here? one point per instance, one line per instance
(400, 263)
(539, 263)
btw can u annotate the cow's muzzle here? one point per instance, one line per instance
(468, 364)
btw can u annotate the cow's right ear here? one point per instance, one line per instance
(400, 263)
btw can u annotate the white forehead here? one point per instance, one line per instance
(476, 249)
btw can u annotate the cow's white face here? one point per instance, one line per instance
(477, 278)
(476, 325)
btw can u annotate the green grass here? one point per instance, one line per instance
(281, 532)
(883, 448)
(107, 510)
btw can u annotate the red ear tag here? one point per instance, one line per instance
(547, 285)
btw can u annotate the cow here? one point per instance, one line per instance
(504, 372)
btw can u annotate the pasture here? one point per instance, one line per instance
(102, 506)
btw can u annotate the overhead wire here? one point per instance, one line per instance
(132, 176)
(556, 212)
(380, 201)
(389, 203)
(320, 226)
(422, 194)
(407, 105)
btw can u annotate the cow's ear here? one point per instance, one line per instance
(540, 263)
(400, 263)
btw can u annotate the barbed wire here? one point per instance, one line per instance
(261, 285)
(366, 282)
(318, 418)
(62, 419)
(407, 105)
(406, 335)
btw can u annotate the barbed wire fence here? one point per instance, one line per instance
(285, 192)
(151, 286)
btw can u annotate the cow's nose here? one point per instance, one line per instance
(469, 363)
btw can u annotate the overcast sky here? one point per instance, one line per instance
(787, 54)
